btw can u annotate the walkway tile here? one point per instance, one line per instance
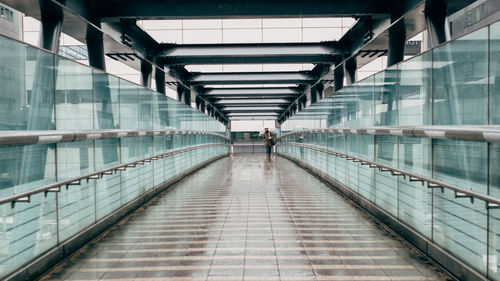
(247, 218)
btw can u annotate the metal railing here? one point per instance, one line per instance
(56, 187)
(44, 137)
(470, 133)
(491, 202)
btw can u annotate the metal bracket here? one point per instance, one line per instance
(463, 195)
(490, 205)
(414, 179)
(396, 173)
(26, 199)
(77, 182)
(54, 189)
(432, 185)
(106, 173)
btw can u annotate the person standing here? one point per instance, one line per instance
(268, 142)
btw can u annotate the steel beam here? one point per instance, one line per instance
(249, 92)
(52, 20)
(435, 19)
(397, 39)
(95, 47)
(350, 66)
(186, 9)
(252, 78)
(324, 52)
(160, 78)
(251, 101)
(146, 73)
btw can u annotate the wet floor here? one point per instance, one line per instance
(247, 218)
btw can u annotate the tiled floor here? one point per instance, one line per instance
(247, 218)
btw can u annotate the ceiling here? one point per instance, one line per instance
(276, 95)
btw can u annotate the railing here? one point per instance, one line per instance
(79, 148)
(399, 169)
(431, 121)
(87, 177)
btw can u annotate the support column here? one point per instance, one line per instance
(314, 96)
(187, 97)
(319, 91)
(435, 20)
(95, 45)
(338, 77)
(397, 39)
(180, 92)
(350, 67)
(52, 19)
(146, 73)
(160, 78)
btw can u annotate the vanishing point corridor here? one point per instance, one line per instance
(247, 218)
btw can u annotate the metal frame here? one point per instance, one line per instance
(470, 133)
(52, 257)
(25, 197)
(324, 52)
(39, 137)
(424, 245)
(220, 78)
(491, 202)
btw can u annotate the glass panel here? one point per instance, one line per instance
(160, 112)
(351, 104)
(415, 98)
(145, 109)
(366, 174)
(129, 111)
(365, 115)
(106, 101)
(108, 188)
(460, 227)
(130, 178)
(460, 84)
(461, 163)
(74, 96)
(23, 168)
(27, 91)
(352, 167)
(415, 199)
(337, 114)
(386, 106)
(76, 203)
(146, 170)
(494, 214)
(340, 163)
(386, 185)
(494, 74)
(26, 231)
(159, 144)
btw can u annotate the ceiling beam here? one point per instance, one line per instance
(194, 9)
(221, 78)
(246, 92)
(324, 52)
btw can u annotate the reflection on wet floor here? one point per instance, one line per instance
(248, 218)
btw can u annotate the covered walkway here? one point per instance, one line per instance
(246, 218)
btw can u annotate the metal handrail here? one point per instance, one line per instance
(491, 202)
(56, 187)
(53, 136)
(490, 133)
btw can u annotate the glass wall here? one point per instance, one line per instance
(41, 91)
(453, 84)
